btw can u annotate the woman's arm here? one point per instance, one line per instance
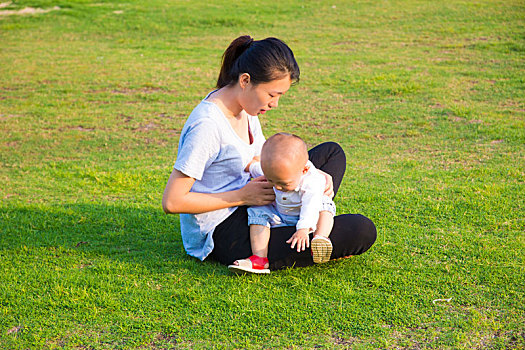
(178, 199)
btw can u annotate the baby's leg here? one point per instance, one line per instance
(259, 219)
(258, 262)
(324, 224)
(259, 238)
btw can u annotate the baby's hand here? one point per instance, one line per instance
(301, 239)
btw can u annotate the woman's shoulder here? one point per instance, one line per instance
(206, 109)
(204, 112)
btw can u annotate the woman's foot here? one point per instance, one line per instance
(321, 249)
(254, 264)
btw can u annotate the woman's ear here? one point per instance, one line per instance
(244, 80)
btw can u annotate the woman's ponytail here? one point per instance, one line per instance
(232, 53)
(265, 60)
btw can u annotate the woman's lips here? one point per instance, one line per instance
(262, 111)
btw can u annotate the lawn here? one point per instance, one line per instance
(426, 97)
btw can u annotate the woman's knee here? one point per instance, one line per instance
(332, 148)
(353, 234)
(367, 231)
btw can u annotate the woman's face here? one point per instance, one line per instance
(260, 98)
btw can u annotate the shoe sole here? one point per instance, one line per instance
(239, 270)
(321, 250)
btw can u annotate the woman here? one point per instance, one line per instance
(209, 185)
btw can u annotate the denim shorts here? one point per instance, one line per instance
(269, 216)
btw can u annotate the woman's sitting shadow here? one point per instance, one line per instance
(95, 233)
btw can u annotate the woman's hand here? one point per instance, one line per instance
(329, 187)
(257, 192)
(301, 239)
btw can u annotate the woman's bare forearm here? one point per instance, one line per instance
(178, 198)
(196, 203)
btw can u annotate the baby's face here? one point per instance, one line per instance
(285, 178)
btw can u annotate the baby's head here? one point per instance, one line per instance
(283, 160)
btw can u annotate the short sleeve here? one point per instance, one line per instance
(198, 147)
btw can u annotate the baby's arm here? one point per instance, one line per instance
(254, 167)
(324, 224)
(311, 205)
(307, 222)
(254, 160)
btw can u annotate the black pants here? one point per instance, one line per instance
(352, 234)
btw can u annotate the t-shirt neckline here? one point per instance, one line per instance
(250, 134)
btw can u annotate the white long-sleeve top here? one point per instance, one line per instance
(304, 201)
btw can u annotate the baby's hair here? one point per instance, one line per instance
(285, 147)
(264, 60)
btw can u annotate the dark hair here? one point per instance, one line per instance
(265, 60)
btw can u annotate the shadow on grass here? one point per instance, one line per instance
(127, 234)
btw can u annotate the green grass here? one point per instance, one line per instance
(427, 99)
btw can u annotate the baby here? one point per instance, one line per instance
(299, 201)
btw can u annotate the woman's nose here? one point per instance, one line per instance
(274, 103)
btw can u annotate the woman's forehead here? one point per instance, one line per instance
(278, 86)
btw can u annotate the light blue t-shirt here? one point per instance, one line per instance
(215, 156)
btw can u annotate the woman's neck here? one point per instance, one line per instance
(226, 99)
